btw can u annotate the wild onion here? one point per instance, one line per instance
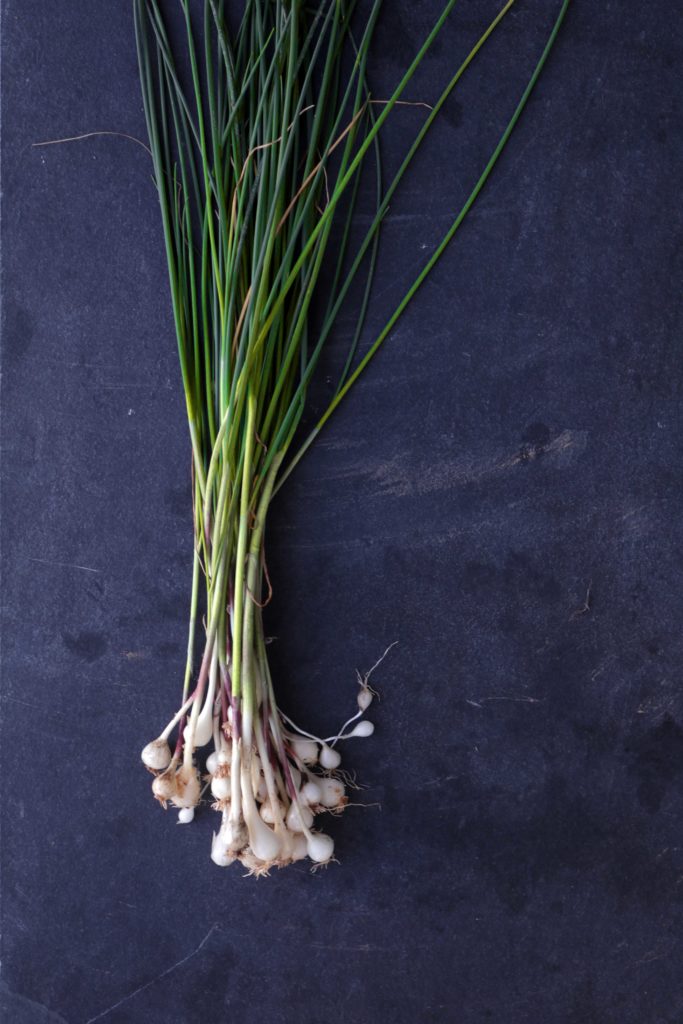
(261, 138)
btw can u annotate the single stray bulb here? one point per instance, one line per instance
(363, 728)
(365, 698)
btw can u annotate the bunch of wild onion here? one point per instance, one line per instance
(259, 139)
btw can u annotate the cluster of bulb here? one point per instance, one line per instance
(268, 793)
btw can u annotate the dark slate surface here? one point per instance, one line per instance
(516, 446)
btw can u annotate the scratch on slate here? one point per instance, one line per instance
(587, 605)
(515, 700)
(650, 957)
(141, 387)
(24, 703)
(438, 782)
(400, 477)
(148, 984)
(25, 1008)
(65, 565)
(366, 947)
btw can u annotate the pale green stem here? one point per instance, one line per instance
(193, 623)
(253, 572)
(241, 554)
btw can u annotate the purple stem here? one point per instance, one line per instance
(180, 742)
(225, 688)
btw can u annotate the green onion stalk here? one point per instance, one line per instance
(264, 140)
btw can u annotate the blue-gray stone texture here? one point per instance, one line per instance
(501, 494)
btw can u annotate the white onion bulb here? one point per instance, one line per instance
(264, 843)
(267, 812)
(363, 728)
(299, 818)
(329, 758)
(204, 730)
(311, 793)
(221, 787)
(320, 847)
(219, 851)
(164, 786)
(305, 750)
(235, 835)
(187, 787)
(365, 698)
(332, 792)
(157, 755)
(299, 846)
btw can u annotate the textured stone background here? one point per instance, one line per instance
(517, 445)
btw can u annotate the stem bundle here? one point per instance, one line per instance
(260, 139)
